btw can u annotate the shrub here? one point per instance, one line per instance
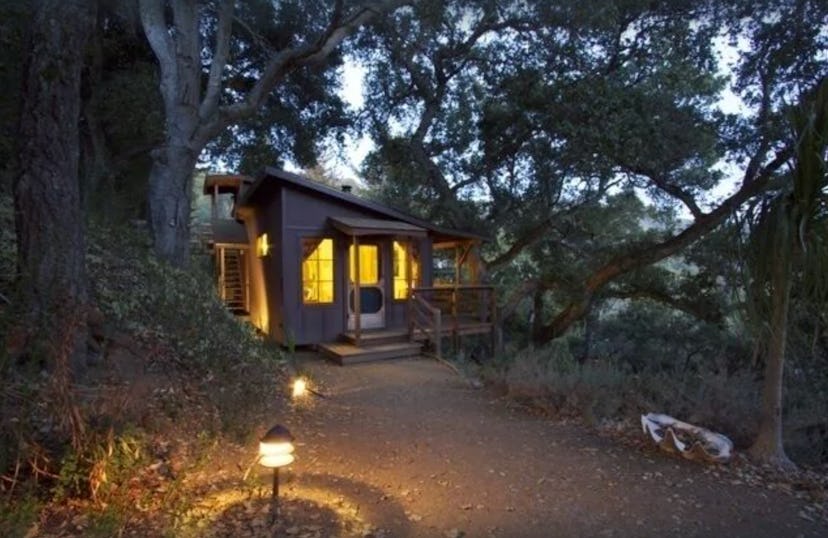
(170, 364)
(550, 378)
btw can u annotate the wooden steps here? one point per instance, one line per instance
(234, 281)
(377, 337)
(346, 353)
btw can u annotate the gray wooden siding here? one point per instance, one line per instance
(305, 214)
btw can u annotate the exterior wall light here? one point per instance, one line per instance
(276, 450)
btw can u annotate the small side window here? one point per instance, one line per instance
(317, 270)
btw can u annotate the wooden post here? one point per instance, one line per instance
(409, 312)
(409, 290)
(408, 272)
(493, 319)
(221, 274)
(245, 256)
(438, 334)
(456, 265)
(357, 305)
(455, 337)
(214, 210)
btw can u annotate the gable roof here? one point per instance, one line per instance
(259, 186)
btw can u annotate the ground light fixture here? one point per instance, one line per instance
(275, 451)
(301, 388)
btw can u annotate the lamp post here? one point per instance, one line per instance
(276, 450)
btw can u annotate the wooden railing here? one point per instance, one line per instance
(451, 310)
(424, 319)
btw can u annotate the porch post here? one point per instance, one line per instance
(408, 272)
(455, 296)
(246, 276)
(357, 306)
(214, 208)
(221, 274)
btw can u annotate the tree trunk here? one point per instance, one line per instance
(589, 322)
(191, 122)
(169, 202)
(768, 446)
(537, 316)
(50, 235)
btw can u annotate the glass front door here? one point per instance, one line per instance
(371, 309)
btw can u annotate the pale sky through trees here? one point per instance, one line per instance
(346, 162)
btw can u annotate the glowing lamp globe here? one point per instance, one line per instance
(276, 447)
(300, 387)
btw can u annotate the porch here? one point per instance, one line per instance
(433, 315)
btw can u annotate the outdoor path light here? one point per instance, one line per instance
(300, 388)
(276, 450)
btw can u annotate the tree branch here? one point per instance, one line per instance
(623, 264)
(288, 60)
(679, 194)
(155, 28)
(222, 49)
(699, 311)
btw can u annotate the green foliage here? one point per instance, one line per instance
(302, 111)
(551, 378)
(180, 315)
(595, 390)
(206, 376)
(71, 478)
(18, 514)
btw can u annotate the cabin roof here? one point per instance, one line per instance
(228, 231)
(266, 178)
(358, 226)
(226, 183)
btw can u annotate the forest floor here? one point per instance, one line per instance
(409, 448)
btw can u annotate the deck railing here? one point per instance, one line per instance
(451, 310)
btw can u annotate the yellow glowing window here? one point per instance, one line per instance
(262, 246)
(317, 271)
(368, 264)
(406, 269)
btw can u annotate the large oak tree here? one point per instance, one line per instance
(206, 90)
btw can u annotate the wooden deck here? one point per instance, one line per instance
(432, 315)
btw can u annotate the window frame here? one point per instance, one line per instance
(416, 259)
(318, 281)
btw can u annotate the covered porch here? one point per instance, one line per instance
(444, 301)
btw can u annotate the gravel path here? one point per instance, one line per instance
(407, 448)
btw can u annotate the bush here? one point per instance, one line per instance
(552, 379)
(177, 315)
(168, 364)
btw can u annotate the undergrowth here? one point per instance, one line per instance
(721, 399)
(171, 375)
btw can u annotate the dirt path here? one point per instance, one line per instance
(407, 448)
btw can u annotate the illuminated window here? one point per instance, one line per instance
(403, 271)
(317, 271)
(368, 264)
(262, 246)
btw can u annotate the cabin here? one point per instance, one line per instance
(313, 265)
